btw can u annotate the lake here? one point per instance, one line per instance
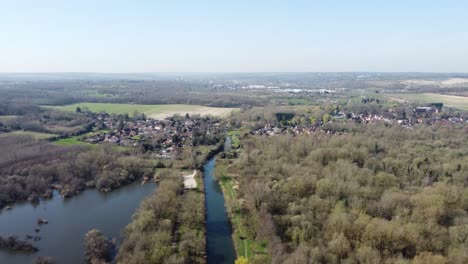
(69, 221)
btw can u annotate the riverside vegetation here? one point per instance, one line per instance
(169, 227)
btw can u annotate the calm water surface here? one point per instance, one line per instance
(219, 245)
(69, 220)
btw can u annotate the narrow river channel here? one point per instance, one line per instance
(69, 220)
(219, 245)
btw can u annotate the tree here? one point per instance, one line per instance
(340, 245)
(136, 115)
(44, 260)
(97, 247)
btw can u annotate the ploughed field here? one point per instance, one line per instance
(154, 111)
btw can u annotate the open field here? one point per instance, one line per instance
(70, 141)
(153, 111)
(35, 135)
(6, 118)
(460, 102)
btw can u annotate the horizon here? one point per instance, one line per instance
(236, 72)
(209, 37)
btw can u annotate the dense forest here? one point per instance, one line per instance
(376, 194)
(116, 91)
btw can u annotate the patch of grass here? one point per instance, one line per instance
(236, 135)
(238, 132)
(70, 141)
(235, 142)
(35, 135)
(154, 111)
(136, 137)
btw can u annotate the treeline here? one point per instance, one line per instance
(119, 91)
(30, 169)
(168, 227)
(376, 195)
(33, 118)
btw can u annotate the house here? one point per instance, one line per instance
(423, 110)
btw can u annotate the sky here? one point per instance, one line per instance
(233, 36)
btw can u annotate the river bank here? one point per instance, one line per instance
(246, 245)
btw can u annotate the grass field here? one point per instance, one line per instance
(35, 135)
(69, 141)
(153, 111)
(459, 102)
(6, 118)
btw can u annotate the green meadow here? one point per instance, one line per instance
(154, 111)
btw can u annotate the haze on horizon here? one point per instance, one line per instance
(240, 36)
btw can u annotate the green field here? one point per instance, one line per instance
(459, 102)
(69, 141)
(153, 111)
(35, 135)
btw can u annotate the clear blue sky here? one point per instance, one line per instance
(237, 35)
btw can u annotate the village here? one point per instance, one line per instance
(164, 138)
(422, 115)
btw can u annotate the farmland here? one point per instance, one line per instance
(154, 111)
(460, 102)
(35, 135)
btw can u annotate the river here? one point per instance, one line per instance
(219, 245)
(69, 221)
